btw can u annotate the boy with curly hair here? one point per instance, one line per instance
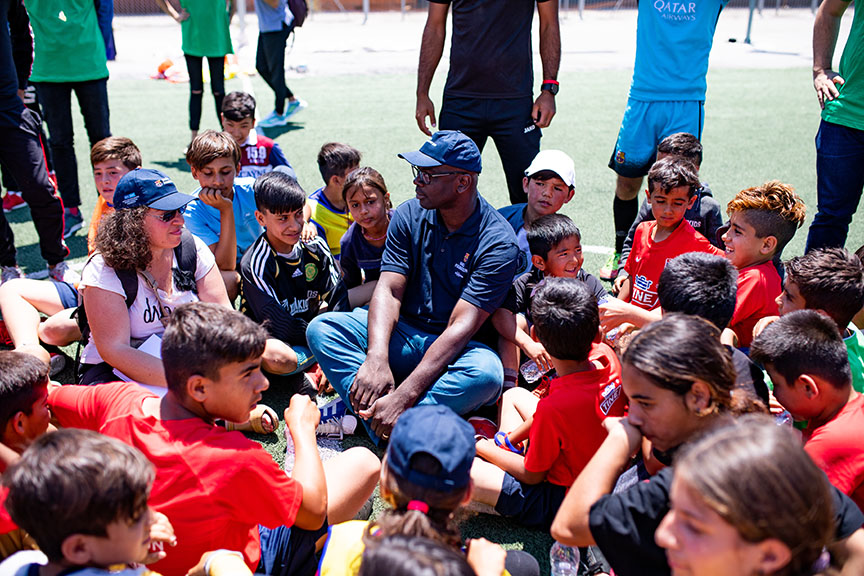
(762, 221)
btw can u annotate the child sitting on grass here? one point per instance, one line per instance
(549, 184)
(221, 489)
(258, 153)
(808, 365)
(23, 301)
(326, 207)
(362, 246)
(762, 220)
(425, 479)
(556, 252)
(672, 189)
(567, 424)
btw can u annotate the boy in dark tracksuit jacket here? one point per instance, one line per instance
(285, 282)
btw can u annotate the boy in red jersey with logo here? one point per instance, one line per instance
(567, 424)
(672, 189)
(258, 154)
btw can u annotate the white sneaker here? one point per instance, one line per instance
(337, 428)
(10, 273)
(61, 272)
(273, 119)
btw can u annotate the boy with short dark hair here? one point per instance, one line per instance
(83, 498)
(258, 153)
(705, 215)
(672, 190)
(831, 281)
(762, 220)
(223, 213)
(549, 184)
(220, 489)
(286, 282)
(567, 424)
(326, 208)
(807, 361)
(556, 252)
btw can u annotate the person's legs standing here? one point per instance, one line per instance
(93, 100)
(840, 179)
(194, 65)
(22, 152)
(56, 101)
(517, 139)
(217, 82)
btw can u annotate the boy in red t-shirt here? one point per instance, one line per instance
(806, 359)
(762, 220)
(672, 188)
(220, 489)
(567, 427)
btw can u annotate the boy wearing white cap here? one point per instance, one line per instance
(549, 183)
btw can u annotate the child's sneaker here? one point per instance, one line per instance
(10, 273)
(273, 119)
(13, 201)
(61, 272)
(483, 427)
(338, 427)
(333, 409)
(58, 363)
(609, 271)
(72, 222)
(294, 106)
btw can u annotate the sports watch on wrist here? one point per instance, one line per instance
(550, 86)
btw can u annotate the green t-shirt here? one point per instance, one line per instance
(205, 32)
(855, 350)
(848, 109)
(67, 42)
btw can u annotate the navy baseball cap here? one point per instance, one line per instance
(439, 432)
(449, 147)
(151, 188)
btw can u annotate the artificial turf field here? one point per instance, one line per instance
(759, 125)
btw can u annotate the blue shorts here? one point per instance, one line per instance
(645, 125)
(68, 294)
(531, 505)
(286, 551)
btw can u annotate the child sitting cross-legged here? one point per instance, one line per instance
(762, 220)
(221, 489)
(804, 355)
(567, 424)
(556, 252)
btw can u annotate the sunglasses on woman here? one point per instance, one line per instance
(166, 216)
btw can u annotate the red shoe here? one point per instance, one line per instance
(13, 201)
(483, 427)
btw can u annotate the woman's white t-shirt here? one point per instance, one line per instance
(144, 314)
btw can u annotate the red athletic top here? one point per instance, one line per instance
(837, 447)
(758, 288)
(648, 258)
(567, 428)
(214, 486)
(6, 523)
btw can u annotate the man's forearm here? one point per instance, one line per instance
(550, 44)
(826, 28)
(383, 316)
(431, 49)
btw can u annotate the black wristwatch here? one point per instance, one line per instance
(550, 86)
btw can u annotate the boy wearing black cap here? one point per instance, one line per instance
(449, 261)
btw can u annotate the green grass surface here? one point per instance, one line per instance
(759, 125)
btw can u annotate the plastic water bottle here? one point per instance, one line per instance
(784, 419)
(289, 451)
(564, 560)
(531, 372)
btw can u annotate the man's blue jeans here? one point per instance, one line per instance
(339, 341)
(840, 181)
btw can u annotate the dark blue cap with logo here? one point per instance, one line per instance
(439, 432)
(447, 147)
(151, 188)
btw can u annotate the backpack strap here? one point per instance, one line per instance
(187, 253)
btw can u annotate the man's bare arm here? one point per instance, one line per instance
(825, 30)
(550, 55)
(431, 48)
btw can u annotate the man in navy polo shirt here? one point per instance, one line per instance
(448, 263)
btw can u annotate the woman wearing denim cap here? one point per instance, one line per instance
(141, 236)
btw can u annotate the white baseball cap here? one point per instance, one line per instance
(556, 161)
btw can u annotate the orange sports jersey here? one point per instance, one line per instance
(648, 258)
(100, 210)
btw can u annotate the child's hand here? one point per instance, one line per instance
(538, 354)
(301, 414)
(619, 282)
(486, 558)
(309, 232)
(628, 433)
(213, 197)
(161, 532)
(615, 312)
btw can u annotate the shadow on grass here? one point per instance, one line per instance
(29, 256)
(276, 131)
(179, 164)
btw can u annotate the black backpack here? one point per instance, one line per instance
(300, 9)
(184, 277)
